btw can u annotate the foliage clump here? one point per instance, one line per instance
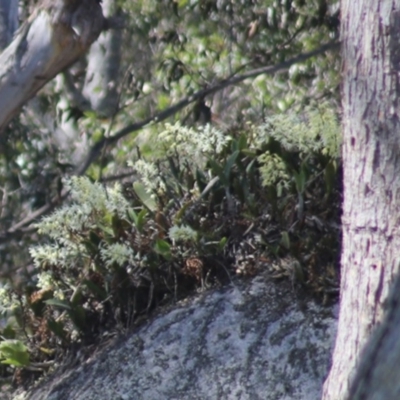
(206, 205)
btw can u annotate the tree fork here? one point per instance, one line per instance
(53, 38)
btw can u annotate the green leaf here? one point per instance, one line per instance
(163, 248)
(174, 169)
(209, 186)
(144, 196)
(59, 304)
(242, 142)
(228, 166)
(14, 353)
(141, 220)
(285, 240)
(76, 297)
(216, 168)
(181, 213)
(132, 215)
(201, 180)
(300, 179)
(97, 291)
(9, 332)
(90, 114)
(78, 317)
(108, 230)
(250, 166)
(222, 243)
(164, 100)
(250, 153)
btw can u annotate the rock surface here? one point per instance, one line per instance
(250, 340)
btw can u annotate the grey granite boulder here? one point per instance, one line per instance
(254, 339)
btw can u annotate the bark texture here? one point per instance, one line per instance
(54, 37)
(8, 21)
(371, 158)
(103, 69)
(378, 377)
(99, 91)
(254, 340)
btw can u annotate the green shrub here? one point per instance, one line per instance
(205, 205)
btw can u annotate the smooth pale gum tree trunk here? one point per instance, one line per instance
(103, 73)
(8, 21)
(371, 160)
(54, 37)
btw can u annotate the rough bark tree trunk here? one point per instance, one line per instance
(371, 159)
(54, 37)
(378, 377)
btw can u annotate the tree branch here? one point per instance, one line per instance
(96, 150)
(163, 115)
(53, 38)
